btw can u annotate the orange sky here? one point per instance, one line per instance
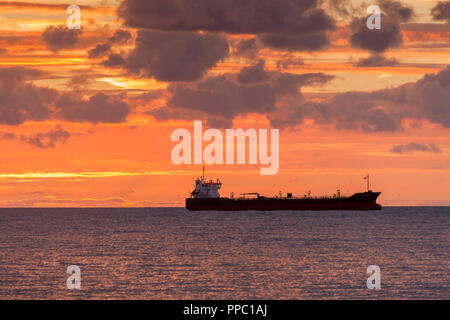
(128, 163)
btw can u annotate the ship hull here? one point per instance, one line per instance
(359, 201)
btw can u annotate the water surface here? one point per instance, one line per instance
(170, 253)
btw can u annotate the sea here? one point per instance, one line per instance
(171, 253)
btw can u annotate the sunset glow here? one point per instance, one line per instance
(86, 116)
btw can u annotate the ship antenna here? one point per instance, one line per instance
(368, 182)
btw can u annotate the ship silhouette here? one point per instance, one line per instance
(206, 196)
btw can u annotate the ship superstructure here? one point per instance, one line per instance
(206, 189)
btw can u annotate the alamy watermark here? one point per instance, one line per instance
(374, 280)
(374, 21)
(214, 152)
(74, 19)
(74, 280)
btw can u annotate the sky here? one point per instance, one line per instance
(86, 115)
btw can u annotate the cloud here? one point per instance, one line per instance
(175, 56)
(79, 80)
(47, 139)
(98, 108)
(426, 27)
(441, 11)
(61, 37)
(221, 98)
(119, 37)
(415, 146)
(289, 60)
(20, 100)
(278, 96)
(377, 60)
(308, 42)
(114, 61)
(48, 6)
(99, 51)
(245, 48)
(253, 74)
(7, 135)
(284, 24)
(182, 40)
(390, 35)
(381, 110)
(231, 16)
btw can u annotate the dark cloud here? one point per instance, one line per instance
(246, 48)
(61, 37)
(284, 24)
(377, 60)
(232, 16)
(182, 40)
(119, 37)
(441, 11)
(253, 74)
(98, 108)
(245, 45)
(175, 56)
(114, 61)
(99, 51)
(47, 139)
(382, 110)
(415, 146)
(287, 61)
(430, 98)
(390, 35)
(426, 27)
(222, 98)
(367, 112)
(7, 135)
(20, 100)
(48, 6)
(307, 42)
(397, 10)
(79, 80)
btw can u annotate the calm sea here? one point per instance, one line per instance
(170, 253)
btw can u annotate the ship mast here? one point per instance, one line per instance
(368, 182)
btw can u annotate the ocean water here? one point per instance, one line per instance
(170, 253)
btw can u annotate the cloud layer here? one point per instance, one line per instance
(389, 36)
(441, 11)
(277, 95)
(384, 110)
(175, 56)
(221, 98)
(231, 16)
(60, 37)
(415, 146)
(47, 140)
(21, 101)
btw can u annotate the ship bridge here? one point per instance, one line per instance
(206, 188)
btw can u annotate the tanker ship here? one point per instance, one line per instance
(206, 197)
